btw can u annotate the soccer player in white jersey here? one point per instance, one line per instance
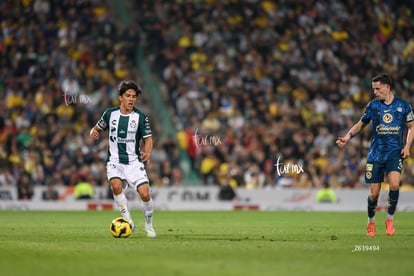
(127, 127)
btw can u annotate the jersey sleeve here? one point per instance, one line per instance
(103, 121)
(367, 116)
(410, 115)
(144, 127)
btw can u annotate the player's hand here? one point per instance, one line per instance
(145, 157)
(405, 152)
(341, 141)
(94, 134)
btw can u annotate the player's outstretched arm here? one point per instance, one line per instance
(405, 152)
(355, 129)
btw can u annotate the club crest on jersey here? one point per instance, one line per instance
(387, 118)
(133, 124)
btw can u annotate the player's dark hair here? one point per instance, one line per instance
(126, 85)
(383, 78)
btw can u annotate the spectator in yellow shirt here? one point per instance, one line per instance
(83, 189)
(326, 194)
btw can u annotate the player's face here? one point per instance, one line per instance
(380, 90)
(128, 99)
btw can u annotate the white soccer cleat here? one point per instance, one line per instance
(150, 231)
(133, 227)
(132, 224)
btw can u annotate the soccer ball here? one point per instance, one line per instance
(120, 228)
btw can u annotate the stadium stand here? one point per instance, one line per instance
(257, 91)
(60, 64)
(275, 81)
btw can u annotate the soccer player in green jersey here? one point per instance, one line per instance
(390, 116)
(127, 128)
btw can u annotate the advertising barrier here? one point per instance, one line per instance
(205, 198)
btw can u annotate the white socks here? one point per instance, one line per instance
(122, 203)
(147, 208)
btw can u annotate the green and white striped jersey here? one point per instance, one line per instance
(125, 134)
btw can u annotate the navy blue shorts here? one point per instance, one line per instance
(375, 171)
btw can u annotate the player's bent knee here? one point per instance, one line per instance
(116, 190)
(144, 193)
(116, 186)
(145, 198)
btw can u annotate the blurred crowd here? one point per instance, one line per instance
(60, 64)
(260, 90)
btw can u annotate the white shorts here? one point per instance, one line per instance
(132, 175)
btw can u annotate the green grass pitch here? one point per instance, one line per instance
(205, 243)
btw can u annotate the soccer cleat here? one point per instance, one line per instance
(150, 231)
(371, 229)
(133, 227)
(132, 224)
(389, 227)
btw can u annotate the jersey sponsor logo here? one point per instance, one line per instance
(125, 140)
(387, 118)
(399, 109)
(383, 129)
